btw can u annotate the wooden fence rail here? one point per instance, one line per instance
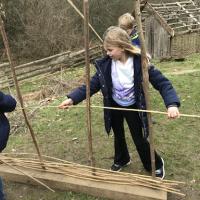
(50, 64)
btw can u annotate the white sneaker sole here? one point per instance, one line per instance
(157, 172)
(163, 169)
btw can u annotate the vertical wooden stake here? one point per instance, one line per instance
(87, 72)
(145, 81)
(8, 52)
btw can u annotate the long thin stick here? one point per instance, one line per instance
(87, 71)
(78, 11)
(31, 177)
(58, 162)
(5, 40)
(145, 81)
(101, 175)
(114, 108)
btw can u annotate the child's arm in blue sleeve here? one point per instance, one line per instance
(7, 103)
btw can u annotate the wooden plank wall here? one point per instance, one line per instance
(161, 41)
(157, 39)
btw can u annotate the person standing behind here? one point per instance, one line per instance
(7, 104)
(127, 22)
(119, 77)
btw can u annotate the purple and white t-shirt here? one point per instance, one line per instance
(123, 82)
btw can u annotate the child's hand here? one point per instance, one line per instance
(173, 112)
(65, 104)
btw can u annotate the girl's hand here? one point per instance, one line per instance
(65, 104)
(173, 112)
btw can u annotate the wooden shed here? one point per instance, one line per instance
(172, 30)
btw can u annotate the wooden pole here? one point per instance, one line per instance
(36, 62)
(142, 6)
(82, 16)
(8, 52)
(145, 81)
(87, 72)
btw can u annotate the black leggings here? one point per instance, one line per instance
(135, 126)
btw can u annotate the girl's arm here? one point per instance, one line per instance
(168, 93)
(164, 86)
(79, 94)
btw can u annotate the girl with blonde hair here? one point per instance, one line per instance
(119, 77)
(127, 22)
(115, 36)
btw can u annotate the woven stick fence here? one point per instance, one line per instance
(58, 166)
(47, 65)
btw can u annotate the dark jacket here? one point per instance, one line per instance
(135, 38)
(102, 80)
(7, 104)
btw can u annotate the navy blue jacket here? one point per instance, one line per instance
(135, 38)
(7, 104)
(102, 80)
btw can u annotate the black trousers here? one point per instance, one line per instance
(135, 126)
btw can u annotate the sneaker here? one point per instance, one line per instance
(117, 167)
(160, 173)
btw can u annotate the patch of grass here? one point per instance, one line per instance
(190, 63)
(62, 133)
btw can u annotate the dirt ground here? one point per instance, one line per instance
(21, 191)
